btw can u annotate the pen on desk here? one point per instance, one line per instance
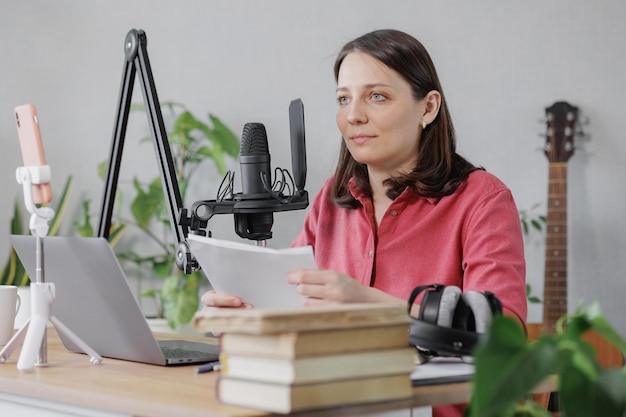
(208, 367)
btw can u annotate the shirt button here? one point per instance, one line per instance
(371, 253)
(393, 213)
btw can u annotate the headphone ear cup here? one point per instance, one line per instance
(481, 310)
(429, 306)
(494, 303)
(448, 305)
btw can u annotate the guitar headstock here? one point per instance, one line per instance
(561, 119)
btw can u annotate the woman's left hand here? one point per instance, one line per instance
(328, 287)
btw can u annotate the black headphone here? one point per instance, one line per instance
(450, 322)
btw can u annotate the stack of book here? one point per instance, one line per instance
(299, 359)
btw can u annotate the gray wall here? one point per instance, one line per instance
(501, 64)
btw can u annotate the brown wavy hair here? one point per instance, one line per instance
(439, 169)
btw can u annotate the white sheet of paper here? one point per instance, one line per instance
(442, 370)
(258, 275)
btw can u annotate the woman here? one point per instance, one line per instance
(403, 208)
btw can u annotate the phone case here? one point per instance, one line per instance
(32, 147)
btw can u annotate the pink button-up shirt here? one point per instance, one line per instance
(471, 239)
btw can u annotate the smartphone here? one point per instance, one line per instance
(32, 148)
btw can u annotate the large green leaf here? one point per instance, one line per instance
(216, 155)
(583, 394)
(83, 224)
(179, 298)
(609, 393)
(576, 393)
(184, 124)
(224, 136)
(16, 220)
(61, 207)
(223, 140)
(162, 266)
(10, 272)
(115, 233)
(530, 409)
(507, 368)
(102, 170)
(587, 389)
(146, 202)
(13, 272)
(592, 318)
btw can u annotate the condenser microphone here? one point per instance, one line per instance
(261, 195)
(254, 162)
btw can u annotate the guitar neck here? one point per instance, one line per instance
(555, 283)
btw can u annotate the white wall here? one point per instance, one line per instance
(501, 64)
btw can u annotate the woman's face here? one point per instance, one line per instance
(378, 116)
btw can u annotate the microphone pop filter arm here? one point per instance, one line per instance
(137, 60)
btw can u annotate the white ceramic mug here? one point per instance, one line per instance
(9, 306)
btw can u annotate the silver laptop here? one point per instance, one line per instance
(94, 300)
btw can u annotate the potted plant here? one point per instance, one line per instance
(193, 142)
(508, 367)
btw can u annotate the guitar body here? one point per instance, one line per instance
(608, 355)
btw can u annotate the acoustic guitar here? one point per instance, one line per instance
(561, 121)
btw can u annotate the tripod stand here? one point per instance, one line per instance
(33, 333)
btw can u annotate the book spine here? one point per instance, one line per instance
(290, 345)
(319, 368)
(279, 398)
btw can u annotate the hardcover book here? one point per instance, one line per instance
(293, 344)
(319, 368)
(282, 398)
(269, 321)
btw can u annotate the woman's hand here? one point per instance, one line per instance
(329, 287)
(212, 299)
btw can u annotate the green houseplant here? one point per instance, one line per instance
(508, 367)
(531, 220)
(193, 142)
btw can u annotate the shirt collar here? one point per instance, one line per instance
(408, 193)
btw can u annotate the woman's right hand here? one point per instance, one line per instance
(212, 299)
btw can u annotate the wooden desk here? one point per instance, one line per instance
(153, 391)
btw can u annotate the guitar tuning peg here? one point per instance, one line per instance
(583, 121)
(542, 120)
(583, 136)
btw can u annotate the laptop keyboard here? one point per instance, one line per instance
(174, 352)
